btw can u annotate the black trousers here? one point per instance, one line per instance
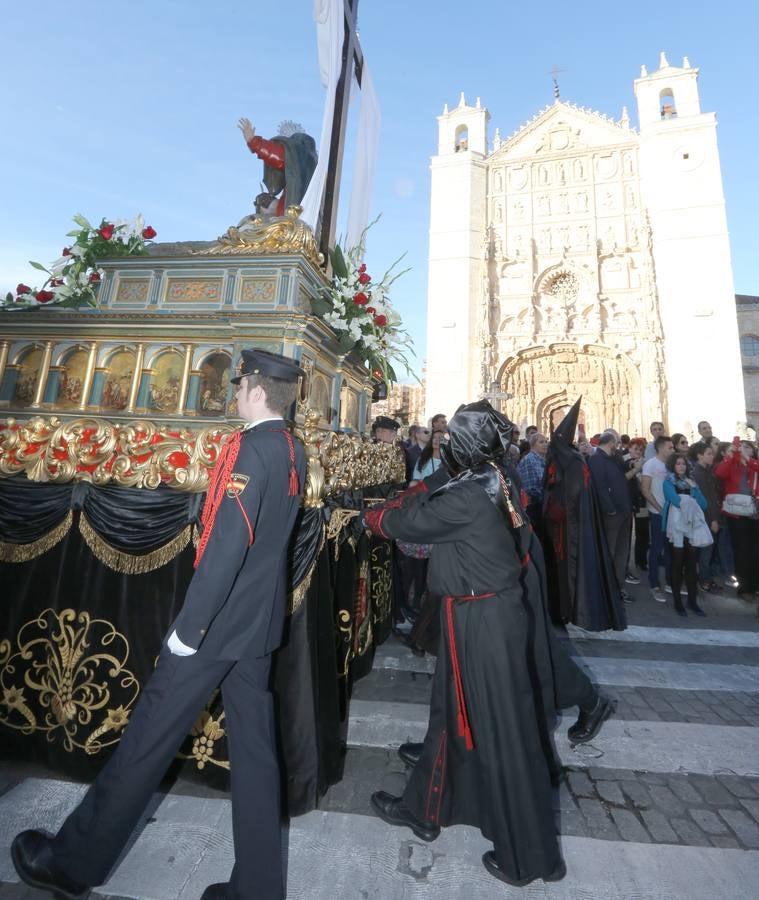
(744, 536)
(92, 838)
(617, 529)
(641, 542)
(684, 559)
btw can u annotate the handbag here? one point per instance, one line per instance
(742, 505)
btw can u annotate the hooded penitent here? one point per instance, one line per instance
(582, 587)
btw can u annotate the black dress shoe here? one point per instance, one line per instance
(410, 753)
(393, 811)
(32, 854)
(491, 864)
(589, 722)
(216, 891)
(696, 609)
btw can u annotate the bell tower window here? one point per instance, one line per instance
(667, 104)
(461, 140)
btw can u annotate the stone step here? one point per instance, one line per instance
(332, 855)
(646, 746)
(702, 637)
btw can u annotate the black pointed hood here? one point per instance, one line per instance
(478, 433)
(560, 448)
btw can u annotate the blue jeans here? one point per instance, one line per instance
(707, 561)
(658, 551)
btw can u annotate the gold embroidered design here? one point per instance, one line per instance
(206, 733)
(67, 679)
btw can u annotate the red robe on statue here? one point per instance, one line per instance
(273, 154)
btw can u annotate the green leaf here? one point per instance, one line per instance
(9, 297)
(339, 266)
(39, 266)
(80, 220)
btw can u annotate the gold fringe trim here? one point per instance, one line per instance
(298, 594)
(131, 563)
(20, 553)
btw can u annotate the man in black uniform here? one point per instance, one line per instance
(487, 758)
(225, 633)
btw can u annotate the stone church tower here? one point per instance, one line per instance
(582, 257)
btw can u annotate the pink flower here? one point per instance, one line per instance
(371, 310)
(66, 251)
(360, 299)
(23, 289)
(362, 267)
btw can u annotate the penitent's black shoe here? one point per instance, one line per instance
(491, 864)
(216, 891)
(589, 723)
(393, 811)
(410, 753)
(32, 854)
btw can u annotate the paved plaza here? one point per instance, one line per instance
(664, 804)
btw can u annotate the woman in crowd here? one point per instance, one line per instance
(680, 443)
(702, 459)
(739, 474)
(429, 459)
(686, 529)
(640, 512)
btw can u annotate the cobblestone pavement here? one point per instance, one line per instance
(696, 826)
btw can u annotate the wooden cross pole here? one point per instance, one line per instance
(352, 62)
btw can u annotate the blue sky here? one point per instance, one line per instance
(110, 110)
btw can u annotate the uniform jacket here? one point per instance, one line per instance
(235, 603)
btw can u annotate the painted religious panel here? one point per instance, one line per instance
(29, 367)
(118, 381)
(165, 382)
(71, 381)
(214, 383)
(319, 396)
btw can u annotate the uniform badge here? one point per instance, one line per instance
(236, 484)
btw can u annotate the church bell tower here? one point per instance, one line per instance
(681, 184)
(457, 226)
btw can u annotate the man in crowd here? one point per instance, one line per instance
(229, 625)
(705, 430)
(703, 474)
(613, 494)
(530, 430)
(652, 487)
(657, 430)
(531, 470)
(385, 430)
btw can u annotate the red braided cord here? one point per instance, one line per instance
(216, 487)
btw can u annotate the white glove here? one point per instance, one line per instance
(177, 647)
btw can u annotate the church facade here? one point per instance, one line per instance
(581, 256)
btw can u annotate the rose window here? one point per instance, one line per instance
(564, 287)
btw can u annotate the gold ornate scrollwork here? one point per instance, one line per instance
(73, 668)
(207, 731)
(381, 581)
(256, 235)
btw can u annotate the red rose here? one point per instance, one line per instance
(380, 320)
(363, 278)
(149, 233)
(106, 232)
(23, 289)
(66, 251)
(371, 310)
(360, 299)
(95, 277)
(362, 267)
(45, 296)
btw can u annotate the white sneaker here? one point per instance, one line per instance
(668, 588)
(659, 595)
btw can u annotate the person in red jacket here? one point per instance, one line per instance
(739, 474)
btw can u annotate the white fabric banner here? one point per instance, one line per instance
(328, 15)
(366, 160)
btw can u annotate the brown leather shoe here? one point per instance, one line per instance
(32, 855)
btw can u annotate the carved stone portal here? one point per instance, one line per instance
(545, 381)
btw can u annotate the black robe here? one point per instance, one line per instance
(487, 759)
